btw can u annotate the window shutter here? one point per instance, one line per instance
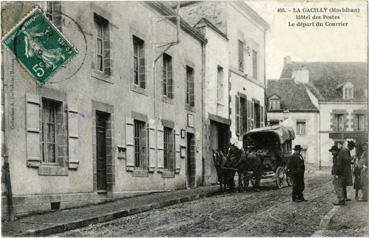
(160, 138)
(130, 145)
(33, 104)
(151, 146)
(238, 119)
(142, 69)
(252, 116)
(170, 80)
(57, 17)
(73, 136)
(261, 116)
(177, 155)
(143, 148)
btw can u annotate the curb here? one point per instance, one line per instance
(324, 223)
(63, 227)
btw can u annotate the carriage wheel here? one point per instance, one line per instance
(280, 177)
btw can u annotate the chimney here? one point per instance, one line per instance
(301, 75)
(287, 60)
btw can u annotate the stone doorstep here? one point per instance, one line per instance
(59, 228)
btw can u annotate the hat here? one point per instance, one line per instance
(297, 147)
(351, 143)
(333, 148)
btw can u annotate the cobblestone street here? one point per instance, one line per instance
(268, 212)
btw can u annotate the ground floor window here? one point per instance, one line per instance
(169, 157)
(140, 143)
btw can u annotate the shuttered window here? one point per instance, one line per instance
(220, 84)
(169, 158)
(139, 62)
(339, 122)
(140, 144)
(103, 60)
(190, 87)
(167, 78)
(238, 116)
(243, 114)
(48, 127)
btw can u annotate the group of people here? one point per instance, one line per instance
(342, 172)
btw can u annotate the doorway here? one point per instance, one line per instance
(101, 149)
(191, 165)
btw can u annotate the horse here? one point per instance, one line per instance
(225, 173)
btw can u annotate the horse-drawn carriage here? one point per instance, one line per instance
(264, 155)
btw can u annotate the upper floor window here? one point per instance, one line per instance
(53, 12)
(138, 62)
(102, 41)
(167, 78)
(190, 87)
(220, 84)
(254, 64)
(359, 122)
(241, 63)
(241, 114)
(300, 128)
(339, 122)
(274, 104)
(348, 91)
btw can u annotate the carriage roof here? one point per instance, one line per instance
(283, 133)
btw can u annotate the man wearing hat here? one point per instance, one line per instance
(344, 153)
(337, 173)
(296, 169)
(363, 165)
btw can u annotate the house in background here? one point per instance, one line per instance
(234, 92)
(339, 91)
(289, 104)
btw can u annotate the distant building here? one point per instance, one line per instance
(339, 91)
(123, 124)
(234, 89)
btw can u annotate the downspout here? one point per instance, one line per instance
(203, 63)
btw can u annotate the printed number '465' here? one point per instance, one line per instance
(38, 70)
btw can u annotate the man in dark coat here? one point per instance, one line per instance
(344, 153)
(296, 169)
(337, 173)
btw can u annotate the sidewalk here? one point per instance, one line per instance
(63, 220)
(350, 220)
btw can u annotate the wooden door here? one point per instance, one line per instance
(101, 151)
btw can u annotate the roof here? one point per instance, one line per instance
(293, 96)
(185, 26)
(283, 133)
(325, 77)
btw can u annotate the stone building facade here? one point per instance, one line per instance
(235, 72)
(128, 122)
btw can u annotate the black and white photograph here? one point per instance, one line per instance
(239, 118)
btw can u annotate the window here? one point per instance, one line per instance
(257, 113)
(140, 144)
(138, 62)
(359, 122)
(255, 64)
(339, 122)
(241, 46)
(274, 103)
(49, 127)
(101, 26)
(220, 86)
(300, 128)
(348, 91)
(167, 79)
(241, 114)
(190, 87)
(169, 149)
(53, 12)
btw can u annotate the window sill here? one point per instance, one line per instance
(190, 108)
(102, 76)
(52, 170)
(140, 173)
(167, 100)
(167, 174)
(137, 89)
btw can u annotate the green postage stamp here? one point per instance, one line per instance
(39, 46)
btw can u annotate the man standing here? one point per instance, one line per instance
(363, 165)
(296, 169)
(344, 153)
(337, 173)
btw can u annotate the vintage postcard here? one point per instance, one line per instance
(184, 118)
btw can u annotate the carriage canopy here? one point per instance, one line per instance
(272, 133)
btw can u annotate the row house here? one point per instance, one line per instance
(128, 121)
(234, 75)
(338, 90)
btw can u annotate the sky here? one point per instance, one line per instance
(327, 43)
